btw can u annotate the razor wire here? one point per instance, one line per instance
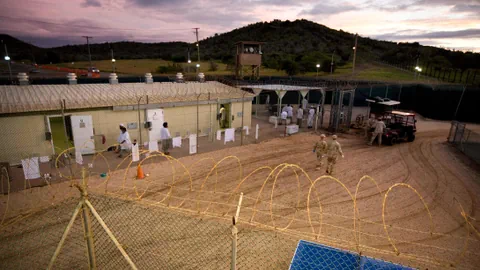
(189, 211)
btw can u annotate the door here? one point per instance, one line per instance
(156, 117)
(82, 129)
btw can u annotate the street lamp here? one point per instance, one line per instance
(318, 66)
(113, 64)
(198, 66)
(417, 69)
(189, 61)
(7, 58)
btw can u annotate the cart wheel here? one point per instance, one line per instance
(393, 141)
(411, 137)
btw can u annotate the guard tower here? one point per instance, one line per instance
(249, 59)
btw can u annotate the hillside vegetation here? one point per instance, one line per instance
(293, 46)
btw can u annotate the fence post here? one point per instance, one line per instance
(87, 226)
(235, 234)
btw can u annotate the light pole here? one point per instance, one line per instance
(189, 62)
(198, 67)
(113, 61)
(331, 63)
(7, 58)
(354, 54)
(318, 66)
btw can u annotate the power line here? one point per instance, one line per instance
(94, 27)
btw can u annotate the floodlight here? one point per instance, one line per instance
(353, 48)
(318, 65)
(198, 65)
(113, 60)
(189, 61)
(7, 58)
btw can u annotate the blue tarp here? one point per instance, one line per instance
(313, 256)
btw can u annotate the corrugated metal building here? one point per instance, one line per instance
(27, 113)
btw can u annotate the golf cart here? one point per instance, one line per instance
(400, 125)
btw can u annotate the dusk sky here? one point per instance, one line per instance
(453, 24)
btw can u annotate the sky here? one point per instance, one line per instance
(451, 24)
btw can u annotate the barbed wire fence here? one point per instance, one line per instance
(181, 219)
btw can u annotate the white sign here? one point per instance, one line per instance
(246, 130)
(229, 135)
(82, 129)
(256, 132)
(193, 144)
(152, 146)
(135, 153)
(31, 169)
(219, 135)
(78, 157)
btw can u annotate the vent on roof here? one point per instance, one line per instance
(72, 78)
(179, 78)
(201, 77)
(22, 78)
(113, 78)
(148, 78)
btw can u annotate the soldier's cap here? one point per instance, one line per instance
(334, 137)
(322, 136)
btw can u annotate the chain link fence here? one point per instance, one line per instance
(466, 140)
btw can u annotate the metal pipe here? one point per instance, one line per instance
(243, 107)
(198, 98)
(211, 127)
(63, 105)
(65, 234)
(139, 120)
(233, 265)
(460, 101)
(110, 234)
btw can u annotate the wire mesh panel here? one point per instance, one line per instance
(316, 256)
(29, 243)
(157, 238)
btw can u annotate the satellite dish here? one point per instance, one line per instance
(251, 49)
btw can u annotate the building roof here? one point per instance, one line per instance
(285, 87)
(34, 98)
(250, 42)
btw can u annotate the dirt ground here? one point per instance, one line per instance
(436, 238)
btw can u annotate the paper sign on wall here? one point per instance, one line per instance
(135, 153)
(31, 169)
(193, 144)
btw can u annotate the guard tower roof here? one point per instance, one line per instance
(250, 42)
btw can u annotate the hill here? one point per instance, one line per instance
(302, 42)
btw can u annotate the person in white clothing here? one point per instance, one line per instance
(304, 103)
(299, 117)
(165, 138)
(284, 109)
(284, 118)
(268, 100)
(289, 111)
(124, 141)
(311, 113)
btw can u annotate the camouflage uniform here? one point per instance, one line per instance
(333, 150)
(321, 149)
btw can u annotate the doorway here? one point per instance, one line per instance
(59, 142)
(79, 133)
(225, 121)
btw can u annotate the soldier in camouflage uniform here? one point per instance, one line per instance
(334, 149)
(321, 149)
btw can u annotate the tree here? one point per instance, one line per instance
(290, 67)
(212, 66)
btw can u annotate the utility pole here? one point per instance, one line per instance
(88, 46)
(354, 54)
(7, 58)
(198, 45)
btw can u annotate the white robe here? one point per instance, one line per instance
(311, 113)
